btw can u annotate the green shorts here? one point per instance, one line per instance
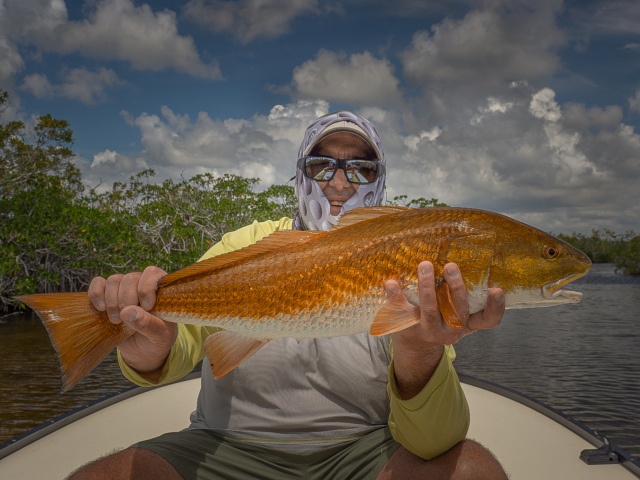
(202, 454)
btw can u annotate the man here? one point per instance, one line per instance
(352, 407)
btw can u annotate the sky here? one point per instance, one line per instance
(527, 108)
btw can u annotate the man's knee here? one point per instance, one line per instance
(132, 463)
(467, 460)
(474, 461)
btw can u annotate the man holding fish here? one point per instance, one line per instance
(344, 407)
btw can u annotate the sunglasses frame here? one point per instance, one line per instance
(342, 164)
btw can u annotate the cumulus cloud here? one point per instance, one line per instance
(248, 19)
(113, 30)
(264, 146)
(487, 47)
(559, 167)
(360, 78)
(634, 102)
(78, 84)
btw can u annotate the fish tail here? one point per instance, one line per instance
(81, 335)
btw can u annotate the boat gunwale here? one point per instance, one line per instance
(50, 426)
(626, 460)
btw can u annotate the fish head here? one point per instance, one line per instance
(533, 267)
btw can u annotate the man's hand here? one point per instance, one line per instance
(146, 350)
(417, 350)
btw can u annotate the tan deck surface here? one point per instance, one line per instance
(529, 445)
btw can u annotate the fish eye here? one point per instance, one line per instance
(550, 251)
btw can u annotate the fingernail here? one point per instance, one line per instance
(145, 304)
(114, 318)
(453, 271)
(426, 270)
(101, 306)
(131, 316)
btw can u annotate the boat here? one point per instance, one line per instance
(531, 440)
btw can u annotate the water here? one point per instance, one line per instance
(582, 359)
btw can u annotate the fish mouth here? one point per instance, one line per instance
(553, 290)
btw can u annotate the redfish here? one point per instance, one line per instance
(308, 284)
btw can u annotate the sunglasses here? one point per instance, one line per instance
(322, 169)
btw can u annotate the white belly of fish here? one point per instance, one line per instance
(354, 317)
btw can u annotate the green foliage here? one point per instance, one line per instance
(401, 201)
(609, 247)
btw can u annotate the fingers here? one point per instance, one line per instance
(128, 290)
(96, 293)
(427, 292)
(457, 290)
(491, 316)
(111, 297)
(391, 287)
(148, 285)
(160, 334)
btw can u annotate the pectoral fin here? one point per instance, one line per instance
(396, 315)
(226, 350)
(445, 303)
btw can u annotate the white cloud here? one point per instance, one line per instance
(357, 79)
(634, 102)
(78, 84)
(487, 47)
(10, 60)
(113, 30)
(264, 146)
(632, 46)
(561, 168)
(248, 19)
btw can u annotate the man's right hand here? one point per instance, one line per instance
(146, 351)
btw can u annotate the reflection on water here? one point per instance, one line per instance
(30, 378)
(582, 359)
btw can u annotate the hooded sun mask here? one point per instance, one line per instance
(314, 210)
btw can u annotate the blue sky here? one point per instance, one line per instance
(529, 108)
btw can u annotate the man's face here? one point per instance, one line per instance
(343, 146)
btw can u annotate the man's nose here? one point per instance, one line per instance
(339, 180)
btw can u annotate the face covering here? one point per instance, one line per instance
(313, 207)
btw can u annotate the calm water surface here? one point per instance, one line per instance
(582, 359)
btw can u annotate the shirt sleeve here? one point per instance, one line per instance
(188, 348)
(437, 418)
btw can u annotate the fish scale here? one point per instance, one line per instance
(325, 284)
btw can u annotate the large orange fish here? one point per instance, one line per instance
(326, 284)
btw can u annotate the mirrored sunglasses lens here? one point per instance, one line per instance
(320, 169)
(361, 171)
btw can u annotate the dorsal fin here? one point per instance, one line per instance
(275, 241)
(361, 214)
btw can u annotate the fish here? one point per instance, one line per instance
(313, 284)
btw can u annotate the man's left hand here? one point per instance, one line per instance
(417, 350)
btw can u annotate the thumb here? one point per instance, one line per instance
(160, 333)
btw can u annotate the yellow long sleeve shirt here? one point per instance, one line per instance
(327, 398)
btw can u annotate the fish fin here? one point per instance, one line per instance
(273, 242)
(226, 350)
(362, 214)
(445, 304)
(81, 335)
(396, 315)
